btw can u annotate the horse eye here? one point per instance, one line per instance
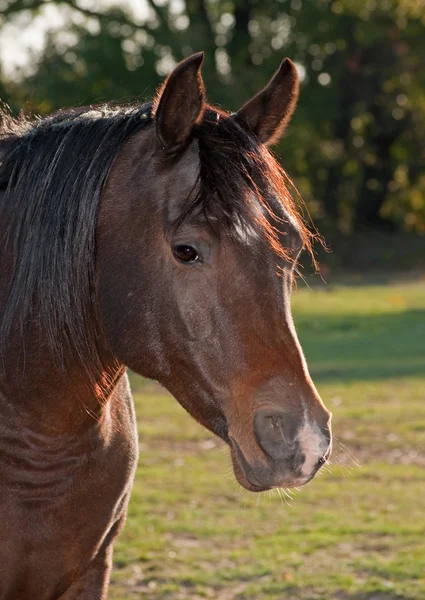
(185, 253)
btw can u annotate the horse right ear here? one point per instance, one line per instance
(180, 103)
(268, 113)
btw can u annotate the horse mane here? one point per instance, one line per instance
(53, 170)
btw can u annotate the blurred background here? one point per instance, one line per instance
(356, 146)
(356, 152)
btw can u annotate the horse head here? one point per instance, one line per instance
(197, 242)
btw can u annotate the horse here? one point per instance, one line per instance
(158, 237)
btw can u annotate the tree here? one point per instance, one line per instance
(356, 146)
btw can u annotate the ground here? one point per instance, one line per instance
(356, 532)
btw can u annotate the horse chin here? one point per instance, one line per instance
(242, 479)
(245, 483)
(247, 479)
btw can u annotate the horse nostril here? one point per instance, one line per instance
(321, 461)
(325, 457)
(275, 432)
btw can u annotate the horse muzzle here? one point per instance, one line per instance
(286, 452)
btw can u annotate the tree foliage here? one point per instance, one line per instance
(356, 147)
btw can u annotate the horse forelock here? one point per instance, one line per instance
(238, 175)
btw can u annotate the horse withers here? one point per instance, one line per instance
(162, 238)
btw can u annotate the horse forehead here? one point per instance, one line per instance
(278, 217)
(285, 224)
(246, 233)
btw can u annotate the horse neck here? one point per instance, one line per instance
(58, 394)
(54, 390)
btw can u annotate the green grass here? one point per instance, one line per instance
(357, 532)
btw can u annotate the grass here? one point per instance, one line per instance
(354, 533)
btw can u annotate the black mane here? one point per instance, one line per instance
(52, 171)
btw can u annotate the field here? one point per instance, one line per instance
(356, 532)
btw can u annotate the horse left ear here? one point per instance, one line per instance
(180, 103)
(268, 113)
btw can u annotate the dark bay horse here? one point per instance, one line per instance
(162, 238)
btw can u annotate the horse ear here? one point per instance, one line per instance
(268, 113)
(180, 103)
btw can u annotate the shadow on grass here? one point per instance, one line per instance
(364, 347)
